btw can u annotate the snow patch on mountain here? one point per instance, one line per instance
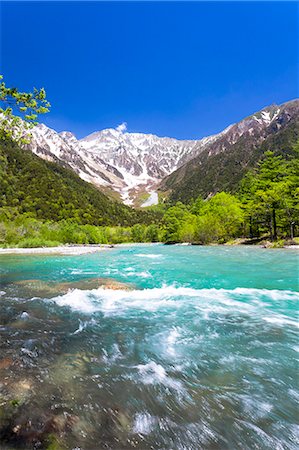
(134, 163)
(142, 159)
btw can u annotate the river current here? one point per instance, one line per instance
(150, 347)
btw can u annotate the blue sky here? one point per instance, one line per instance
(178, 69)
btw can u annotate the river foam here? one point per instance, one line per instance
(202, 361)
(106, 300)
(149, 255)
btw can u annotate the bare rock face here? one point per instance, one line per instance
(222, 163)
(132, 163)
(124, 162)
(66, 150)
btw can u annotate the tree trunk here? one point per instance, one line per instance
(292, 230)
(274, 224)
(250, 228)
(271, 226)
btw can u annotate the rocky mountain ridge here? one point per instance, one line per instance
(127, 163)
(132, 164)
(140, 160)
(223, 163)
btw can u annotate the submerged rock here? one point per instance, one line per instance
(115, 425)
(6, 362)
(94, 283)
(26, 428)
(21, 390)
(40, 288)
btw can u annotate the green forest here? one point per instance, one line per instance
(47, 191)
(224, 170)
(42, 204)
(45, 204)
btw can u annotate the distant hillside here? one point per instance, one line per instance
(224, 162)
(51, 192)
(127, 164)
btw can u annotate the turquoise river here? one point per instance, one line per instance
(150, 347)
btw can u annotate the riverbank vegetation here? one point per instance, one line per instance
(45, 204)
(46, 191)
(266, 206)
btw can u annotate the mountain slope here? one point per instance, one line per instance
(127, 163)
(66, 150)
(49, 191)
(133, 164)
(141, 159)
(123, 162)
(223, 163)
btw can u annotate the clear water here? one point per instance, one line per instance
(200, 354)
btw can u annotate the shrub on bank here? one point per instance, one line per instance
(37, 242)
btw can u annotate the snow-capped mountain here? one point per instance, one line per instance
(134, 163)
(221, 165)
(128, 163)
(142, 160)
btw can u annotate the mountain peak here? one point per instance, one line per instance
(225, 160)
(67, 135)
(134, 163)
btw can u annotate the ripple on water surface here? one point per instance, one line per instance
(156, 366)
